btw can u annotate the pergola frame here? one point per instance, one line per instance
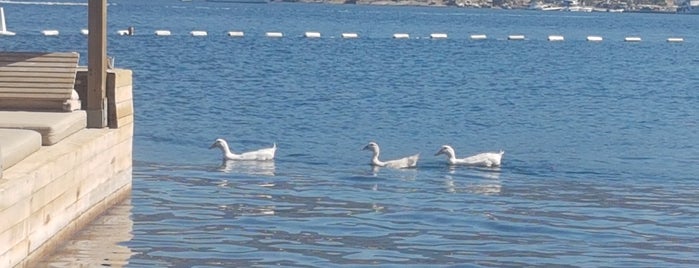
(97, 64)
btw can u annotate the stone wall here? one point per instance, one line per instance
(48, 196)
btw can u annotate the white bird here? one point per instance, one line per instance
(405, 162)
(490, 159)
(261, 154)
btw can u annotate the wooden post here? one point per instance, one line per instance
(97, 64)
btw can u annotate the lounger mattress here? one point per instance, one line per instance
(17, 144)
(53, 126)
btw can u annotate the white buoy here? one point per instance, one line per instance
(50, 32)
(554, 38)
(3, 29)
(350, 35)
(632, 39)
(274, 34)
(594, 38)
(515, 37)
(198, 33)
(312, 34)
(84, 31)
(438, 36)
(675, 40)
(479, 37)
(401, 36)
(162, 33)
(123, 32)
(236, 34)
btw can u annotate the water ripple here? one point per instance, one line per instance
(601, 154)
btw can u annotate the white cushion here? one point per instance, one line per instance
(17, 144)
(53, 126)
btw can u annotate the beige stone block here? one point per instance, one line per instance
(120, 110)
(15, 254)
(42, 225)
(58, 186)
(124, 121)
(13, 189)
(89, 143)
(102, 192)
(85, 147)
(42, 175)
(125, 132)
(123, 93)
(117, 78)
(15, 213)
(60, 165)
(124, 108)
(124, 156)
(13, 234)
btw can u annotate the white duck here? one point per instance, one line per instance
(490, 159)
(261, 154)
(405, 162)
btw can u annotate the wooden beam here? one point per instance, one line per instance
(97, 64)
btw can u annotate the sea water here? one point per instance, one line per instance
(601, 159)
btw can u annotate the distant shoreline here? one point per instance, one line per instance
(598, 6)
(478, 4)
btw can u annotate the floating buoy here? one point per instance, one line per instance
(50, 32)
(438, 36)
(515, 37)
(401, 36)
(162, 33)
(350, 35)
(675, 40)
(130, 31)
(84, 31)
(594, 38)
(555, 38)
(479, 37)
(236, 34)
(274, 34)
(312, 35)
(198, 33)
(632, 39)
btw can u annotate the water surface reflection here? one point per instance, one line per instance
(99, 244)
(265, 168)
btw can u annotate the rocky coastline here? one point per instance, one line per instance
(649, 6)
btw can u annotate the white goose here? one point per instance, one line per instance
(261, 154)
(490, 159)
(405, 162)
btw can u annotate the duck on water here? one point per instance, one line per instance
(405, 162)
(259, 155)
(489, 159)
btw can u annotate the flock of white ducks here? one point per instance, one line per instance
(487, 159)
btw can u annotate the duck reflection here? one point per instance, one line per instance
(264, 168)
(409, 174)
(484, 182)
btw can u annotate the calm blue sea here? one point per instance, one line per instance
(601, 140)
